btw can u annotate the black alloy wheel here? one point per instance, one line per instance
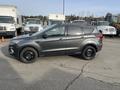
(28, 55)
(88, 53)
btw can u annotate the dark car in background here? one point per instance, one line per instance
(58, 39)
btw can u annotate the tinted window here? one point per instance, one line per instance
(74, 30)
(56, 32)
(96, 30)
(88, 30)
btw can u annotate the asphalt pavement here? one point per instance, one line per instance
(63, 72)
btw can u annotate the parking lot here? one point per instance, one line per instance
(63, 72)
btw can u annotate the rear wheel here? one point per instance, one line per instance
(88, 53)
(28, 55)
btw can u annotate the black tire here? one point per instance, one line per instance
(28, 55)
(88, 53)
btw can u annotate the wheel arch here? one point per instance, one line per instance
(90, 44)
(30, 46)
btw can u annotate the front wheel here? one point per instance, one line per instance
(88, 53)
(28, 55)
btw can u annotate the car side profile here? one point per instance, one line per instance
(57, 39)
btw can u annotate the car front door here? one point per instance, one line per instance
(52, 41)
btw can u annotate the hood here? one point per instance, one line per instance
(33, 25)
(104, 27)
(7, 25)
(21, 37)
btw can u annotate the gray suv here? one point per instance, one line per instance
(58, 39)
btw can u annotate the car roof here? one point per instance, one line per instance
(78, 25)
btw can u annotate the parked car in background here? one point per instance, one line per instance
(32, 25)
(106, 28)
(57, 39)
(10, 20)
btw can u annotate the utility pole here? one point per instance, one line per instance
(63, 7)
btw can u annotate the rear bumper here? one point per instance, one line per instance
(7, 33)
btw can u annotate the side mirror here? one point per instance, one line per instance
(44, 36)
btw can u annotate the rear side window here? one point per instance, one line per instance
(87, 30)
(74, 31)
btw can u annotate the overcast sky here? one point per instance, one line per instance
(77, 7)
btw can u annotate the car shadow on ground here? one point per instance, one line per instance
(5, 52)
(77, 56)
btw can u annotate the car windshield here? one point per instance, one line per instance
(32, 21)
(103, 23)
(48, 27)
(6, 19)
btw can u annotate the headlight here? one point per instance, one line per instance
(17, 41)
(106, 29)
(12, 42)
(12, 29)
(26, 29)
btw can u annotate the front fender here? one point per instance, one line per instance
(31, 44)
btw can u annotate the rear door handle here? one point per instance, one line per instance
(60, 39)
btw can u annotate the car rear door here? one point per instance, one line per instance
(74, 38)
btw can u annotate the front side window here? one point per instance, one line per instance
(56, 32)
(74, 31)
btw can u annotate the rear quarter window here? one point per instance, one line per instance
(96, 30)
(89, 30)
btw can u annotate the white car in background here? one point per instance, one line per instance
(32, 26)
(105, 28)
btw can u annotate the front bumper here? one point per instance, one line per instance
(13, 50)
(7, 33)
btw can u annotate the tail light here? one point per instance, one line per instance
(100, 36)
